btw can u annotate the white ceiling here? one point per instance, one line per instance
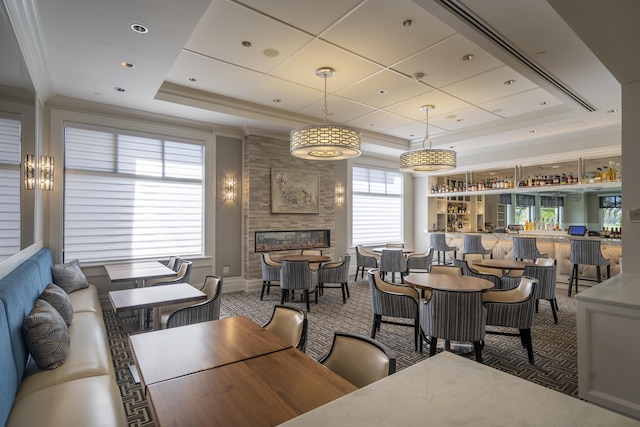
(375, 56)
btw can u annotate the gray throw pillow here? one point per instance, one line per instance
(69, 276)
(46, 335)
(59, 300)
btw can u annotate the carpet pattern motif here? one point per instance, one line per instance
(555, 346)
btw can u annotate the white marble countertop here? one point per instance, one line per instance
(449, 390)
(622, 290)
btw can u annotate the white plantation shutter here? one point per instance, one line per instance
(377, 206)
(9, 187)
(131, 197)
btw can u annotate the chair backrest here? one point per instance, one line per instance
(335, 272)
(394, 245)
(512, 308)
(388, 299)
(439, 242)
(297, 275)
(525, 248)
(269, 272)
(392, 260)
(545, 261)
(472, 244)
(290, 324)
(446, 269)
(182, 276)
(270, 261)
(311, 252)
(174, 262)
(201, 312)
(546, 275)
(586, 252)
(457, 316)
(491, 275)
(422, 261)
(364, 259)
(359, 359)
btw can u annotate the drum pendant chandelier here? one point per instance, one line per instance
(325, 142)
(427, 159)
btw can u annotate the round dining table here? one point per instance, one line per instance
(310, 258)
(506, 265)
(447, 282)
(404, 250)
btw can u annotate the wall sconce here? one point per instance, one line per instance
(339, 195)
(46, 173)
(229, 188)
(29, 172)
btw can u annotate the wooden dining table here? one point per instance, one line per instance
(404, 250)
(138, 271)
(309, 258)
(447, 282)
(506, 265)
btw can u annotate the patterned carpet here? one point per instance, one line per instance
(554, 345)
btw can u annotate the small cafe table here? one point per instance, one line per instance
(505, 265)
(310, 258)
(447, 282)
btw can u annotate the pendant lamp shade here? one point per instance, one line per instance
(427, 159)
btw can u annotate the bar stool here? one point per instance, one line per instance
(472, 244)
(439, 244)
(525, 248)
(586, 252)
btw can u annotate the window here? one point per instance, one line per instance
(551, 211)
(10, 183)
(131, 197)
(611, 211)
(525, 206)
(377, 206)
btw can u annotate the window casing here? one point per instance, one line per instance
(610, 211)
(377, 206)
(130, 196)
(10, 184)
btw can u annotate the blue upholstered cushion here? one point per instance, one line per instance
(9, 377)
(59, 299)
(46, 335)
(69, 276)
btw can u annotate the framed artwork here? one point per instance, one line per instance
(294, 192)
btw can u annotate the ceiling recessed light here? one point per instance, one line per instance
(126, 64)
(118, 89)
(192, 79)
(418, 76)
(509, 82)
(276, 100)
(382, 92)
(555, 167)
(139, 28)
(467, 57)
(246, 43)
(544, 103)
(533, 131)
(614, 110)
(271, 53)
(407, 22)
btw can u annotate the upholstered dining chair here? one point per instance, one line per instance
(318, 252)
(453, 316)
(393, 261)
(174, 262)
(290, 324)
(365, 260)
(480, 269)
(439, 244)
(545, 272)
(298, 276)
(394, 245)
(586, 252)
(270, 273)
(359, 359)
(182, 276)
(420, 263)
(196, 313)
(335, 272)
(393, 300)
(526, 248)
(468, 270)
(441, 269)
(513, 308)
(472, 244)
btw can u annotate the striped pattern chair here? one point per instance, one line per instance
(335, 272)
(182, 276)
(439, 244)
(201, 312)
(468, 271)
(312, 265)
(364, 260)
(420, 262)
(290, 324)
(472, 244)
(174, 262)
(298, 276)
(586, 252)
(358, 359)
(393, 261)
(525, 248)
(391, 300)
(546, 289)
(453, 316)
(270, 273)
(513, 308)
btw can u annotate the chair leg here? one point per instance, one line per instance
(375, 327)
(526, 334)
(553, 303)
(306, 299)
(264, 285)
(598, 277)
(433, 343)
(574, 272)
(416, 332)
(344, 293)
(477, 349)
(283, 296)
(346, 285)
(537, 301)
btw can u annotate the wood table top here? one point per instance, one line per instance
(170, 353)
(262, 391)
(404, 250)
(505, 264)
(154, 296)
(310, 258)
(142, 270)
(447, 282)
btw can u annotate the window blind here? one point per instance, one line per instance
(377, 206)
(131, 197)
(551, 201)
(525, 200)
(611, 202)
(10, 183)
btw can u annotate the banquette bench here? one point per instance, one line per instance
(80, 392)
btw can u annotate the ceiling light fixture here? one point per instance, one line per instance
(427, 159)
(325, 142)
